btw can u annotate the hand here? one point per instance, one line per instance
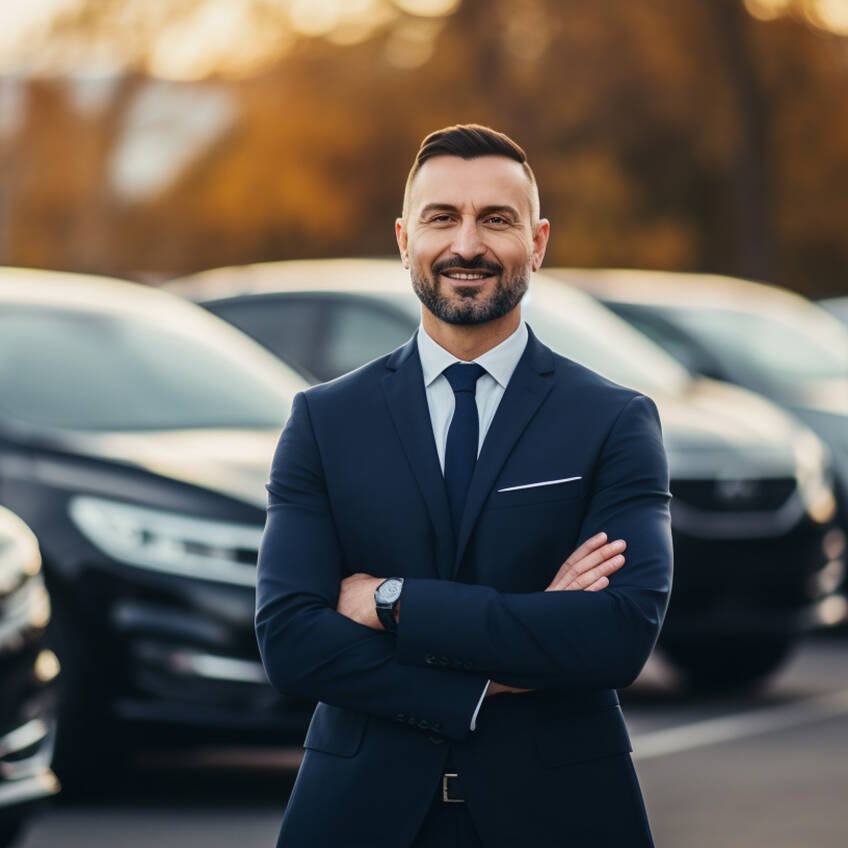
(356, 599)
(496, 688)
(587, 569)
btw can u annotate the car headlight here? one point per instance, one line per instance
(19, 554)
(24, 602)
(162, 541)
(815, 480)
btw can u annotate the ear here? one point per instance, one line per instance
(402, 239)
(540, 242)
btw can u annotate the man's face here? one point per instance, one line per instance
(468, 239)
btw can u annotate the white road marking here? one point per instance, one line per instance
(700, 734)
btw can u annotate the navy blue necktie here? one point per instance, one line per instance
(463, 436)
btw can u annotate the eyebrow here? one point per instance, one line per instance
(486, 210)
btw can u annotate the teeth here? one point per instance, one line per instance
(460, 276)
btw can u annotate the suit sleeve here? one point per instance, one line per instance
(566, 639)
(307, 648)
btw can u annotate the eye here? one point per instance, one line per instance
(497, 220)
(441, 218)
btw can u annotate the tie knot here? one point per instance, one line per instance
(463, 376)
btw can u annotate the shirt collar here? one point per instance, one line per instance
(500, 361)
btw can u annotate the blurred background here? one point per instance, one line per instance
(234, 167)
(149, 139)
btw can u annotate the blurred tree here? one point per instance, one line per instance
(666, 134)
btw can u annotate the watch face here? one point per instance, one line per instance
(390, 591)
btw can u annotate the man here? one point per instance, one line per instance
(414, 572)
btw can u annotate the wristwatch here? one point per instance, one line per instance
(386, 597)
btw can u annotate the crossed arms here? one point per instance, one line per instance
(554, 639)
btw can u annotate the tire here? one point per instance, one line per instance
(728, 665)
(89, 751)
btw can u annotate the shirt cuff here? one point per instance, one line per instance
(479, 703)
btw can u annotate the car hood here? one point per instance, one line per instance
(715, 427)
(826, 396)
(234, 463)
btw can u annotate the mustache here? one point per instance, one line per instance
(475, 264)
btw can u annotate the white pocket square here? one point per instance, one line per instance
(540, 483)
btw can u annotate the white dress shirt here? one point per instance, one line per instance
(499, 363)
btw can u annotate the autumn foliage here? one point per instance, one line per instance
(676, 134)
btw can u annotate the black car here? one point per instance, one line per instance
(28, 674)
(136, 433)
(757, 557)
(765, 338)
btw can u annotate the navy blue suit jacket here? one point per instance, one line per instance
(355, 485)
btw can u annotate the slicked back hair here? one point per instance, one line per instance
(470, 141)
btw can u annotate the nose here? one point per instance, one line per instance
(467, 242)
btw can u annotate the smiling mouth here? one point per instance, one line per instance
(467, 276)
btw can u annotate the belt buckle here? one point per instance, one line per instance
(446, 791)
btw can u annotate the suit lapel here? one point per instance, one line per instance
(530, 384)
(403, 387)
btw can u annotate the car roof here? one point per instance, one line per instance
(682, 289)
(69, 290)
(381, 277)
(89, 293)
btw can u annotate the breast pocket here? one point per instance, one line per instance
(513, 494)
(335, 730)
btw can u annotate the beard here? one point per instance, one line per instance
(469, 305)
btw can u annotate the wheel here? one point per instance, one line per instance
(727, 665)
(88, 749)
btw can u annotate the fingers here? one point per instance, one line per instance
(598, 555)
(588, 578)
(586, 548)
(578, 571)
(598, 574)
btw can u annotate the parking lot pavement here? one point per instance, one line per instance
(724, 772)
(741, 772)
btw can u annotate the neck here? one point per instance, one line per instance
(468, 341)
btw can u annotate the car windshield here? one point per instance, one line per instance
(592, 335)
(806, 344)
(91, 370)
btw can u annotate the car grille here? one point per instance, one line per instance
(744, 495)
